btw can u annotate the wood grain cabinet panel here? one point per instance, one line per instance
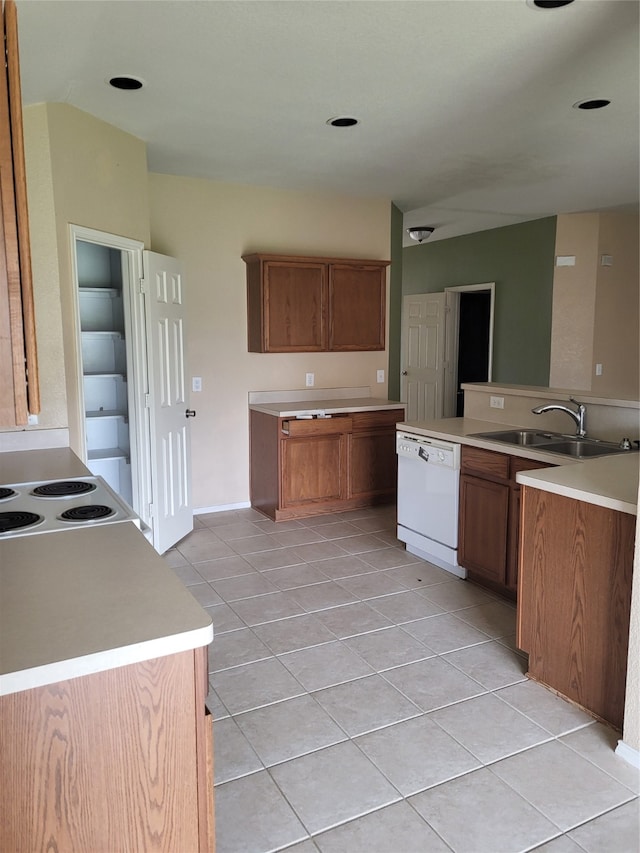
(302, 304)
(109, 761)
(484, 512)
(19, 389)
(489, 520)
(301, 468)
(576, 565)
(313, 470)
(357, 297)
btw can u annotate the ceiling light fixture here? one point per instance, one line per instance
(342, 121)
(548, 4)
(126, 82)
(591, 104)
(420, 232)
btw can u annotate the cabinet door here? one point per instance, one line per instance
(313, 469)
(357, 297)
(374, 463)
(294, 307)
(484, 509)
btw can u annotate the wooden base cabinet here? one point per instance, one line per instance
(113, 761)
(576, 566)
(489, 517)
(302, 468)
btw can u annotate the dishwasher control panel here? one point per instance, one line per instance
(431, 451)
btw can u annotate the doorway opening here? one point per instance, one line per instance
(473, 342)
(469, 341)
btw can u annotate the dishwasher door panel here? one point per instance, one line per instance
(428, 499)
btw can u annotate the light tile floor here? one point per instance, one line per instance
(368, 702)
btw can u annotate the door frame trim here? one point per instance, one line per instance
(137, 379)
(452, 326)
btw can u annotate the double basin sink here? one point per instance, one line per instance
(550, 442)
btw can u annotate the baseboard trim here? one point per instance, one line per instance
(202, 510)
(630, 755)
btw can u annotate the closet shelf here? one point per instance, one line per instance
(106, 413)
(111, 292)
(108, 453)
(101, 375)
(100, 333)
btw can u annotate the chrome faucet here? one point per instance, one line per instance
(578, 416)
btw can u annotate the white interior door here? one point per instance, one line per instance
(423, 352)
(172, 512)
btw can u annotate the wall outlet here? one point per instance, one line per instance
(32, 420)
(496, 402)
(310, 379)
(598, 369)
(380, 376)
(196, 383)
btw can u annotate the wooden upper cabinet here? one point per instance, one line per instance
(300, 304)
(286, 306)
(19, 391)
(357, 301)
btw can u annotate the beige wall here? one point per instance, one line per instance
(616, 336)
(209, 226)
(45, 267)
(574, 299)
(80, 171)
(595, 309)
(99, 181)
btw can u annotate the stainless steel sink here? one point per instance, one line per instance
(582, 449)
(579, 448)
(523, 437)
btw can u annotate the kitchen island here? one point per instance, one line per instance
(104, 733)
(311, 454)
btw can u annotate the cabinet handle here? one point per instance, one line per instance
(190, 413)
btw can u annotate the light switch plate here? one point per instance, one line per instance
(196, 383)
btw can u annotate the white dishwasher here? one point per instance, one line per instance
(428, 488)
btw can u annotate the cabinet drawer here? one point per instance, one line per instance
(519, 464)
(318, 426)
(485, 462)
(377, 419)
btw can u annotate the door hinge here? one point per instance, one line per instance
(150, 511)
(143, 285)
(147, 401)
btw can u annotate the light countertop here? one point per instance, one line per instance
(608, 481)
(330, 407)
(28, 466)
(87, 600)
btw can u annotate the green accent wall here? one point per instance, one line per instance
(395, 303)
(520, 260)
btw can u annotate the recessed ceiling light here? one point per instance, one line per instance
(126, 82)
(548, 4)
(342, 121)
(591, 104)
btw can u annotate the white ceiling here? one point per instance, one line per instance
(465, 106)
